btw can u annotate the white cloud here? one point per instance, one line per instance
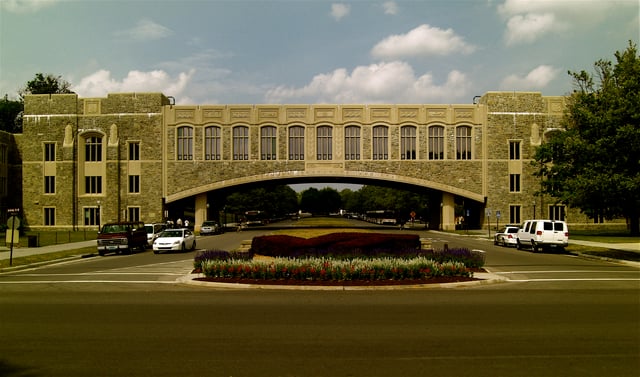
(392, 82)
(145, 30)
(25, 6)
(424, 40)
(537, 79)
(529, 27)
(339, 11)
(100, 83)
(390, 7)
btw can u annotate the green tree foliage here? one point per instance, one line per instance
(274, 200)
(594, 164)
(46, 84)
(10, 115)
(371, 198)
(320, 202)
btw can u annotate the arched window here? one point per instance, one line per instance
(436, 143)
(296, 143)
(241, 143)
(352, 143)
(463, 143)
(268, 144)
(212, 149)
(185, 143)
(93, 149)
(325, 143)
(408, 143)
(380, 143)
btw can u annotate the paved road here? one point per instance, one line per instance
(125, 316)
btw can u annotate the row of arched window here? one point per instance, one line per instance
(435, 144)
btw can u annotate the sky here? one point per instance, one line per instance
(311, 51)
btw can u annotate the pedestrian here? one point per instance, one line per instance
(186, 223)
(179, 222)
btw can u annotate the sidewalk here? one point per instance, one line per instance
(27, 251)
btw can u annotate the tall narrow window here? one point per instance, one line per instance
(514, 150)
(49, 152)
(49, 216)
(212, 149)
(296, 143)
(49, 184)
(557, 213)
(92, 216)
(514, 214)
(463, 143)
(408, 143)
(134, 184)
(514, 182)
(185, 143)
(133, 213)
(436, 143)
(380, 143)
(352, 143)
(325, 143)
(93, 184)
(93, 149)
(134, 151)
(268, 144)
(241, 143)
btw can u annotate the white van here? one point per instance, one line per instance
(543, 234)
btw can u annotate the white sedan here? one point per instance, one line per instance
(174, 239)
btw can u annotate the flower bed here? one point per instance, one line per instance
(322, 269)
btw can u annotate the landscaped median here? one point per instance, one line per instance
(338, 261)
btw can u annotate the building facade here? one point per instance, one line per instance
(132, 155)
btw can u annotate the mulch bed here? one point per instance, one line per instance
(340, 283)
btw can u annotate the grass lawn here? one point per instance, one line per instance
(40, 258)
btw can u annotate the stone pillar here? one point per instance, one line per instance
(447, 210)
(201, 211)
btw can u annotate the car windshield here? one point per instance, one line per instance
(171, 233)
(115, 228)
(208, 223)
(149, 228)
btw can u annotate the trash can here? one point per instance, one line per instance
(32, 241)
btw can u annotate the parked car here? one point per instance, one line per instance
(153, 230)
(121, 237)
(174, 239)
(507, 236)
(210, 227)
(543, 234)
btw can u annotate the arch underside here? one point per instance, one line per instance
(341, 176)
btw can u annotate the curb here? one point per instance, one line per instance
(485, 279)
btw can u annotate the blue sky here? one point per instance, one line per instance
(313, 51)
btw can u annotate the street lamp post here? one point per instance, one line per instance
(534, 209)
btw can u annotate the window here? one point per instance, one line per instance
(514, 214)
(296, 143)
(352, 143)
(436, 143)
(49, 184)
(49, 151)
(93, 149)
(49, 216)
(133, 213)
(212, 149)
(557, 213)
(134, 184)
(325, 144)
(514, 150)
(514, 182)
(93, 185)
(241, 143)
(408, 143)
(463, 143)
(185, 143)
(134, 151)
(92, 216)
(268, 144)
(380, 139)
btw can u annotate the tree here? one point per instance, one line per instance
(594, 164)
(10, 115)
(46, 84)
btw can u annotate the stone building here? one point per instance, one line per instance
(139, 156)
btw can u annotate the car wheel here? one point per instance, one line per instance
(101, 253)
(518, 246)
(534, 247)
(183, 247)
(193, 245)
(156, 251)
(495, 241)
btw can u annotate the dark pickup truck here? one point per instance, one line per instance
(122, 237)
